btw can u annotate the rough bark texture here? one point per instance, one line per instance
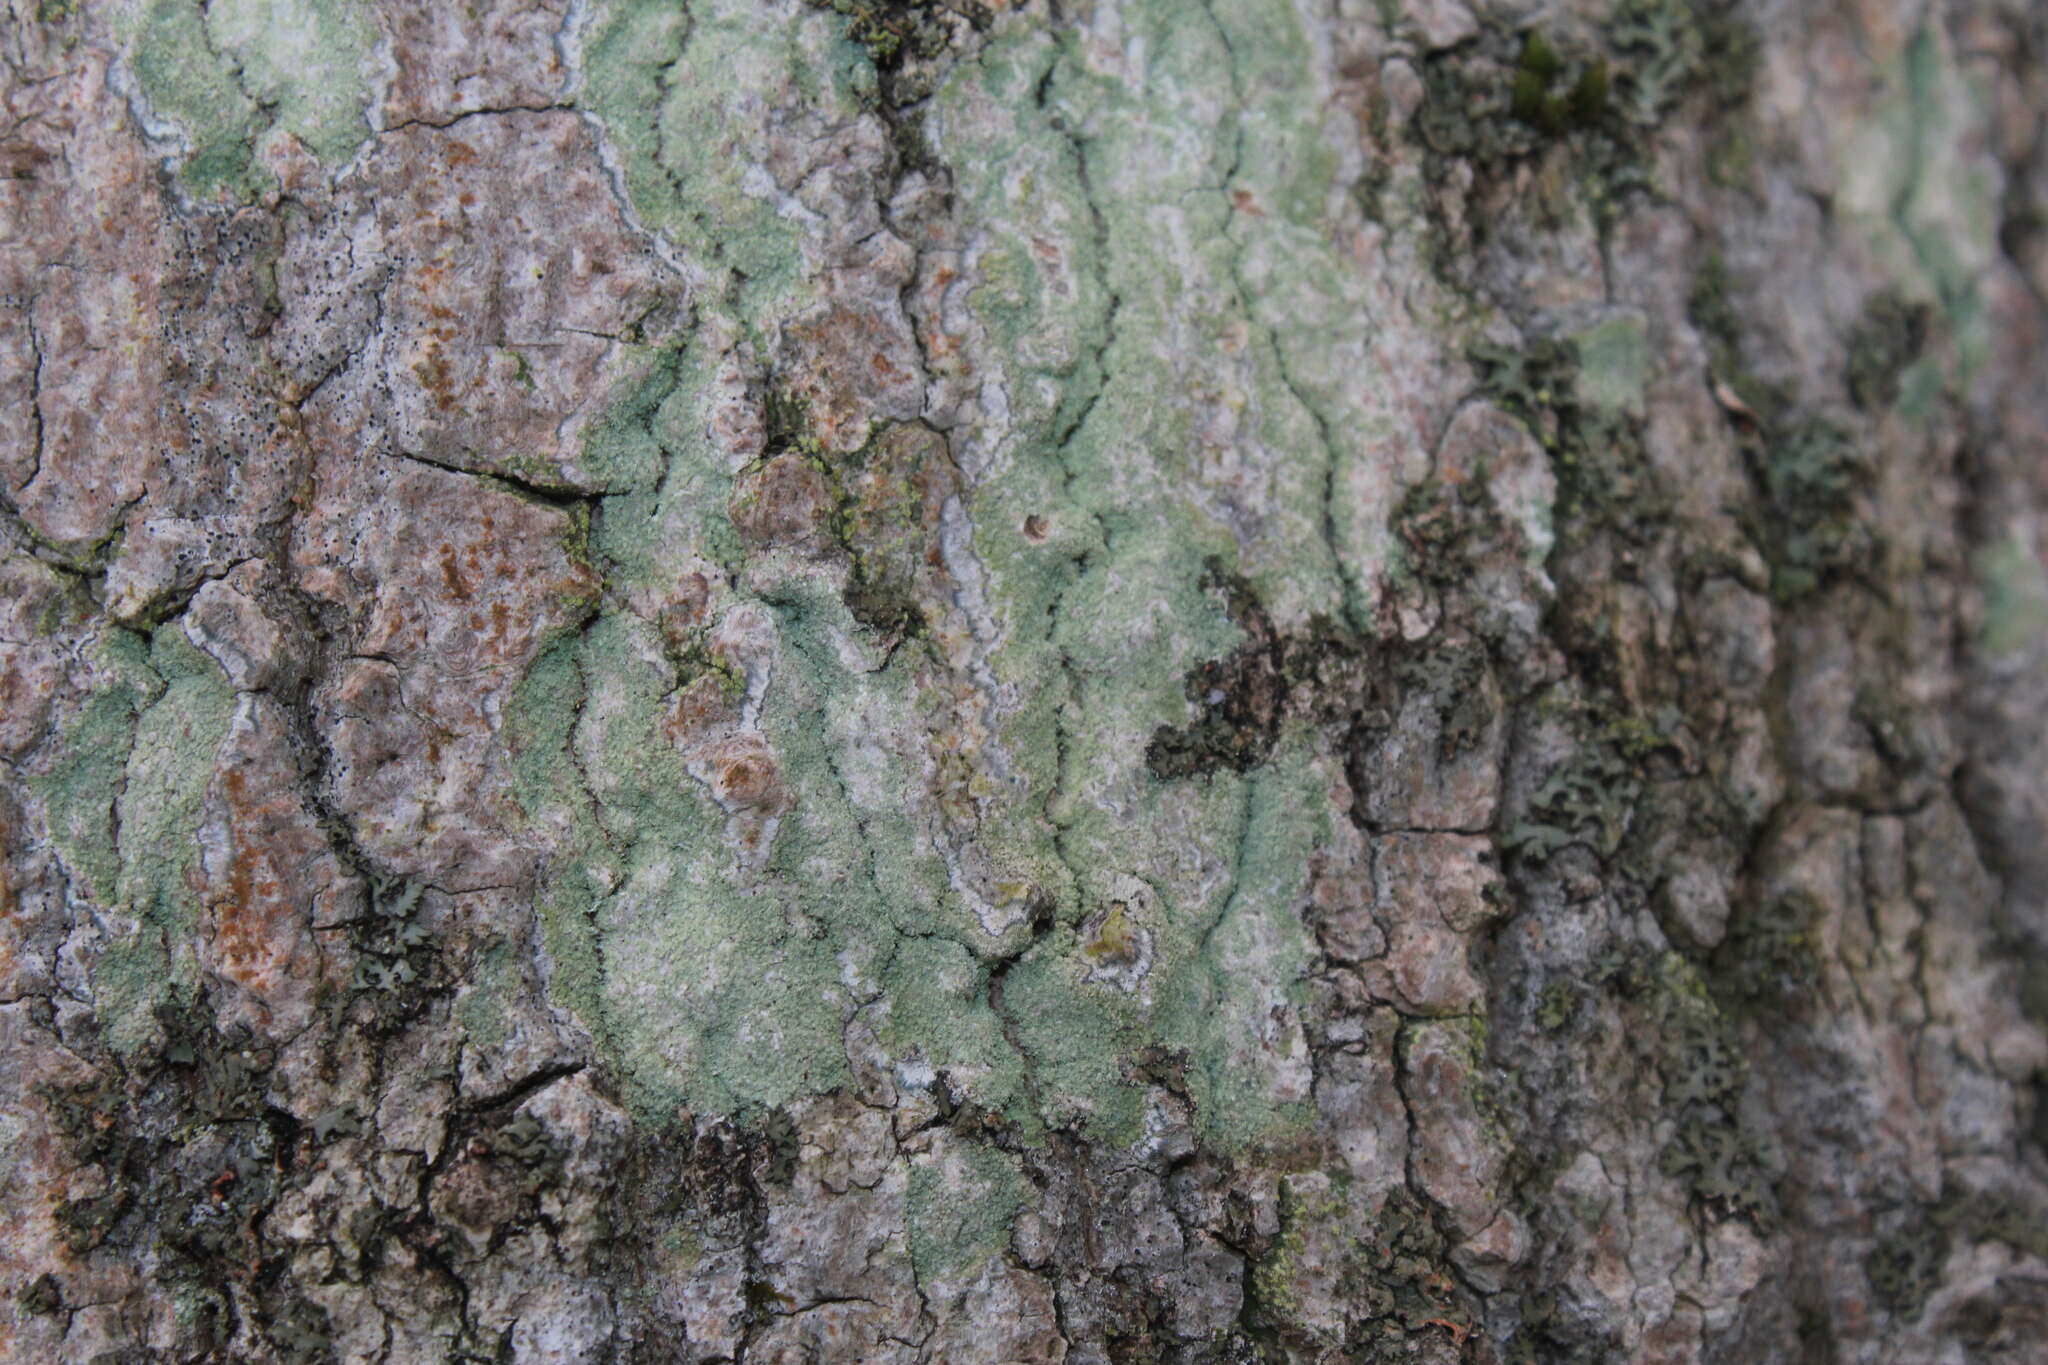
(1092, 680)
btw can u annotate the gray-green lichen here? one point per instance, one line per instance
(230, 75)
(950, 858)
(126, 800)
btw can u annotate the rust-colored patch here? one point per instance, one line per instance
(784, 502)
(265, 864)
(451, 574)
(746, 777)
(435, 377)
(852, 366)
(701, 708)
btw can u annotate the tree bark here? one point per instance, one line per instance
(1024, 680)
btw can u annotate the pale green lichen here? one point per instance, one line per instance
(176, 738)
(125, 804)
(80, 789)
(960, 1205)
(687, 146)
(1614, 361)
(2015, 587)
(1930, 216)
(234, 72)
(723, 981)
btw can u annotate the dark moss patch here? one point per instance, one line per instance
(1588, 105)
(1456, 675)
(1888, 337)
(1714, 306)
(1711, 1149)
(394, 948)
(1550, 1333)
(40, 1296)
(1731, 52)
(1905, 1266)
(1492, 108)
(1501, 103)
(1443, 526)
(1238, 699)
(1895, 730)
(1548, 95)
(880, 506)
(887, 513)
(1602, 473)
(1810, 525)
(1559, 1004)
(1404, 1288)
(905, 39)
(1771, 954)
(301, 1332)
(1241, 700)
(1812, 475)
(779, 1148)
(1586, 800)
(187, 1122)
(1405, 1301)
(1678, 1026)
